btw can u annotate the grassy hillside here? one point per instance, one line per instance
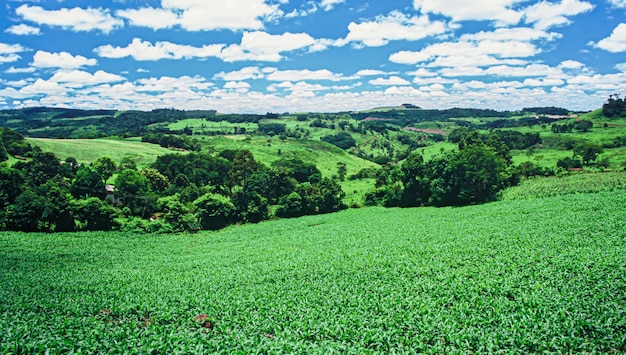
(524, 276)
(88, 150)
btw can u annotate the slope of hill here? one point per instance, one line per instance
(525, 276)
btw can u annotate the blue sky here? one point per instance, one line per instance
(320, 55)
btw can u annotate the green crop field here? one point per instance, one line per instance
(575, 183)
(88, 150)
(519, 276)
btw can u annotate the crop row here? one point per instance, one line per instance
(523, 276)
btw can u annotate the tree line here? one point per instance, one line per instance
(178, 192)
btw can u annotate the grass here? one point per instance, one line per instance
(525, 276)
(575, 183)
(88, 150)
(268, 150)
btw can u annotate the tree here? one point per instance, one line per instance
(42, 167)
(158, 182)
(342, 170)
(243, 167)
(470, 176)
(4, 156)
(134, 191)
(88, 183)
(342, 140)
(587, 151)
(416, 190)
(127, 163)
(94, 215)
(251, 207)
(105, 166)
(25, 213)
(215, 211)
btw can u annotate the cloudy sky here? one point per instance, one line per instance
(311, 55)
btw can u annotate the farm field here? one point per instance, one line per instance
(373, 280)
(88, 150)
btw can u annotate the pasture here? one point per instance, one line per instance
(541, 275)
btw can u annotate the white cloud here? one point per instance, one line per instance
(245, 73)
(499, 11)
(150, 17)
(168, 84)
(621, 67)
(422, 72)
(616, 42)
(527, 71)
(143, 50)
(395, 26)
(23, 30)
(263, 46)
(237, 85)
(393, 80)
(75, 19)
(370, 72)
(475, 53)
(43, 59)
(8, 52)
(571, 64)
(205, 15)
(543, 82)
(79, 78)
(254, 46)
(519, 34)
(295, 75)
(545, 15)
(328, 5)
(620, 4)
(13, 70)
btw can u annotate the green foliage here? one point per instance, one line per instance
(133, 189)
(271, 128)
(527, 276)
(588, 152)
(565, 185)
(105, 166)
(342, 140)
(215, 211)
(94, 215)
(614, 106)
(88, 182)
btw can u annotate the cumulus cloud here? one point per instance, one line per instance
(13, 70)
(43, 59)
(245, 73)
(75, 19)
(79, 78)
(8, 52)
(393, 80)
(545, 15)
(499, 11)
(150, 17)
(481, 53)
(168, 83)
(328, 5)
(23, 30)
(370, 72)
(204, 15)
(395, 26)
(616, 42)
(305, 74)
(254, 46)
(620, 4)
(263, 46)
(144, 50)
